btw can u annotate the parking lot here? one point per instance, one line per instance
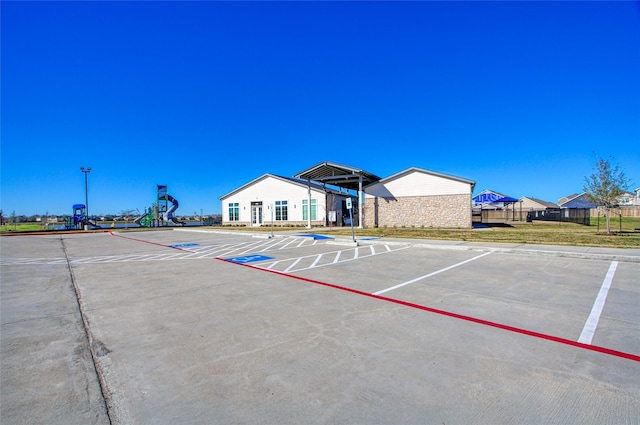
(204, 327)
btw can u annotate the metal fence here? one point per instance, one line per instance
(568, 215)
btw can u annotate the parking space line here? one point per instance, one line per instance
(335, 260)
(292, 265)
(547, 337)
(286, 245)
(594, 317)
(274, 244)
(430, 274)
(315, 261)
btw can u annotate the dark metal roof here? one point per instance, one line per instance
(337, 175)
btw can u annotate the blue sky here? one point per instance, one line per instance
(207, 96)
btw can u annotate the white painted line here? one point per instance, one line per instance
(388, 248)
(292, 265)
(316, 261)
(242, 247)
(373, 250)
(430, 274)
(274, 244)
(292, 241)
(254, 247)
(592, 322)
(355, 253)
(335, 260)
(301, 243)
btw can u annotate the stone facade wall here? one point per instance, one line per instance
(440, 211)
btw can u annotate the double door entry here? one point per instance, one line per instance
(256, 213)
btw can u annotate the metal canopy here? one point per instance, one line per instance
(337, 175)
(506, 200)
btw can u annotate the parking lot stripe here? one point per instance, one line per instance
(292, 265)
(335, 260)
(315, 261)
(287, 244)
(603, 350)
(594, 317)
(430, 274)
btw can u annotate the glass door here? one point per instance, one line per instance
(256, 213)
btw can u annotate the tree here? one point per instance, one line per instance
(605, 186)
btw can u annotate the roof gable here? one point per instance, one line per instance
(487, 197)
(540, 202)
(410, 170)
(418, 182)
(290, 180)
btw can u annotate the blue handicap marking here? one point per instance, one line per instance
(182, 245)
(248, 258)
(314, 236)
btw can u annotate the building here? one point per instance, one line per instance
(487, 199)
(527, 204)
(419, 198)
(628, 199)
(318, 196)
(577, 200)
(284, 201)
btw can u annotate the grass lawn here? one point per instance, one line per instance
(538, 232)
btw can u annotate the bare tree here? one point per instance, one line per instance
(605, 186)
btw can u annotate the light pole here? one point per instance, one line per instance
(86, 195)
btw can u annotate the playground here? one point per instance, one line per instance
(160, 214)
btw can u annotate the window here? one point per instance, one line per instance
(305, 209)
(282, 213)
(234, 211)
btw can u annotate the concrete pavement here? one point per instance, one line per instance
(150, 327)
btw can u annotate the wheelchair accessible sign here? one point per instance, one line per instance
(248, 259)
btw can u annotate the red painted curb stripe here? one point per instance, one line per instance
(143, 241)
(534, 334)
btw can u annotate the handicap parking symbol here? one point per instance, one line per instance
(248, 259)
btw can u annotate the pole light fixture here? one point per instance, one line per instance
(86, 172)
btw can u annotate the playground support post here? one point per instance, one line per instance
(86, 196)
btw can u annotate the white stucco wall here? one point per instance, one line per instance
(269, 189)
(417, 183)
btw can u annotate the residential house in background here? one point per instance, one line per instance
(486, 199)
(628, 199)
(528, 204)
(577, 200)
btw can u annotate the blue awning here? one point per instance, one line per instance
(506, 200)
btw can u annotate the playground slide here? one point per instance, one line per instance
(169, 214)
(137, 220)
